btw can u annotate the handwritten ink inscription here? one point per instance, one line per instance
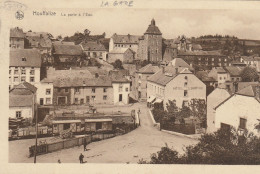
(117, 3)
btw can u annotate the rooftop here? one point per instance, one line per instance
(234, 70)
(118, 50)
(25, 58)
(199, 53)
(179, 62)
(170, 72)
(148, 69)
(153, 29)
(93, 46)
(129, 39)
(62, 49)
(16, 32)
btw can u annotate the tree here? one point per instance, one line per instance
(199, 111)
(222, 147)
(249, 74)
(118, 64)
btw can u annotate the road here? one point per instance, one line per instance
(128, 148)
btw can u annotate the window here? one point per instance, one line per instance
(32, 72)
(66, 90)
(31, 79)
(22, 79)
(18, 114)
(10, 71)
(212, 59)
(105, 90)
(23, 59)
(120, 88)
(237, 79)
(126, 89)
(104, 97)
(16, 72)
(76, 100)
(16, 79)
(232, 79)
(242, 123)
(185, 103)
(10, 80)
(77, 90)
(48, 91)
(185, 93)
(59, 90)
(93, 90)
(93, 97)
(185, 84)
(220, 78)
(23, 71)
(48, 101)
(186, 77)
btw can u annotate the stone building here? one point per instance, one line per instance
(150, 44)
(126, 55)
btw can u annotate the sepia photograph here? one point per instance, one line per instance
(115, 83)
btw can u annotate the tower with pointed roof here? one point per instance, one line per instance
(150, 45)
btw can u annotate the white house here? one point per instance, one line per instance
(121, 90)
(219, 74)
(175, 83)
(214, 99)
(24, 66)
(22, 101)
(241, 110)
(44, 92)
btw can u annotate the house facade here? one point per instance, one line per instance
(24, 66)
(175, 83)
(94, 50)
(140, 84)
(214, 99)
(22, 101)
(252, 61)
(219, 74)
(150, 44)
(44, 92)
(124, 41)
(241, 110)
(121, 91)
(125, 55)
(16, 38)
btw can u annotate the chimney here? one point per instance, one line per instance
(176, 70)
(235, 86)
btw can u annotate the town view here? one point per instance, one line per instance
(126, 98)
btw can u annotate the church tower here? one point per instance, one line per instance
(153, 43)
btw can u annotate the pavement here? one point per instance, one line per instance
(128, 148)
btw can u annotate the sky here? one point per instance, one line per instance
(172, 22)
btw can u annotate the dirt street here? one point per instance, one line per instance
(128, 148)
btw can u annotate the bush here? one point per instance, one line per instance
(222, 147)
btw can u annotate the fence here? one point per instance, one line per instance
(47, 148)
(180, 128)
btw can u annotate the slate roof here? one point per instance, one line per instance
(220, 70)
(33, 58)
(61, 49)
(148, 69)
(250, 58)
(63, 43)
(21, 95)
(234, 70)
(93, 46)
(122, 39)
(83, 72)
(153, 29)
(179, 62)
(199, 53)
(164, 78)
(82, 81)
(16, 32)
(203, 76)
(196, 47)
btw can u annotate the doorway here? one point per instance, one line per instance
(41, 101)
(120, 97)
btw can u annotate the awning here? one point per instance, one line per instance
(99, 120)
(151, 99)
(158, 100)
(65, 121)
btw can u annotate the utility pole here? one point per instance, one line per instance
(36, 136)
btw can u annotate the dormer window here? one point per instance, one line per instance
(23, 59)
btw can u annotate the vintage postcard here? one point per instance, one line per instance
(111, 86)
